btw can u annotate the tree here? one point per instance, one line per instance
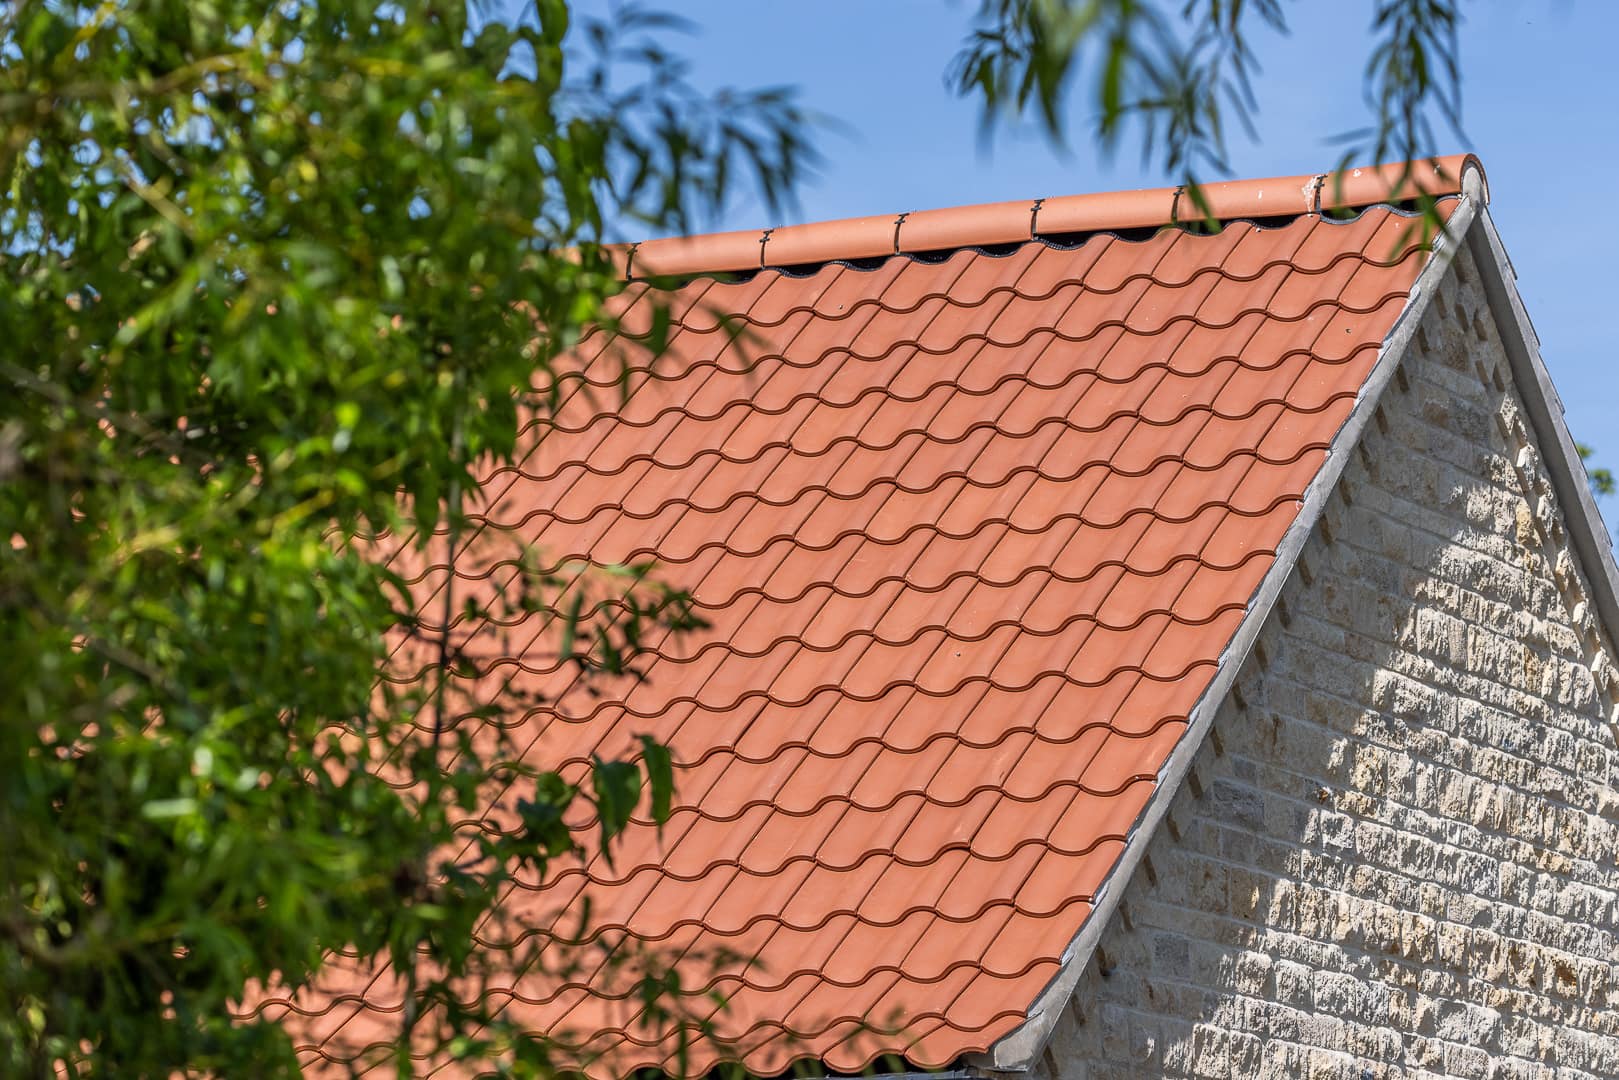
(1179, 77)
(1601, 478)
(278, 275)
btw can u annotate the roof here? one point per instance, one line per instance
(975, 506)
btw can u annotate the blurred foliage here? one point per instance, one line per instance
(1600, 478)
(1178, 77)
(277, 277)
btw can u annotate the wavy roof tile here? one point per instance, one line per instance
(972, 531)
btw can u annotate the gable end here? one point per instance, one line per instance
(1391, 850)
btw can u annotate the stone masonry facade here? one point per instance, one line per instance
(1397, 854)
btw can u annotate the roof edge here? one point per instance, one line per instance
(1020, 1049)
(1020, 221)
(1554, 443)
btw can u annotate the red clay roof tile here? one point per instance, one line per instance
(971, 534)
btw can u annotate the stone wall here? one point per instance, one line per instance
(1398, 853)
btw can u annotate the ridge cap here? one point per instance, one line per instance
(1021, 220)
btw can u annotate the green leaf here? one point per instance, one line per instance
(660, 776)
(617, 789)
(165, 809)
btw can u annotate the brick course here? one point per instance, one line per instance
(1398, 853)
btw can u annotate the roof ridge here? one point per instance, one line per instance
(1019, 221)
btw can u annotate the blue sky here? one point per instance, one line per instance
(1540, 107)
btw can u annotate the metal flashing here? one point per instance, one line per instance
(1587, 533)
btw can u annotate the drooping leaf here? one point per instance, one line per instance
(617, 788)
(660, 777)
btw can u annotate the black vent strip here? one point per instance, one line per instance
(1277, 221)
(1067, 241)
(933, 255)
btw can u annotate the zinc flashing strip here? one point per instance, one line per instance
(1019, 1050)
(1587, 533)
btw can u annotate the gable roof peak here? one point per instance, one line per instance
(975, 542)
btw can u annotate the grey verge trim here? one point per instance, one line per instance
(1021, 1048)
(1587, 534)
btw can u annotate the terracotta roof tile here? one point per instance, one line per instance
(971, 532)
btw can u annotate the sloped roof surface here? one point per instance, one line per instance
(971, 531)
